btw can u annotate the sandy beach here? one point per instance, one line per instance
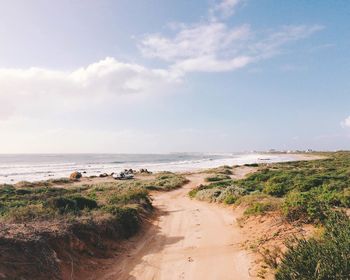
(16, 168)
(187, 239)
(183, 239)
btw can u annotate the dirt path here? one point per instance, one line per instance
(188, 240)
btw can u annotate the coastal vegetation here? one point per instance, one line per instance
(85, 217)
(39, 201)
(326, 257)
(165, 181)
(301, 190)
(313, 192)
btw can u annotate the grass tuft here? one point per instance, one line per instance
(324, 258)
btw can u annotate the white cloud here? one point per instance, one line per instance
(346, 122)
(194, 41)
(209, 46)
(210, 63)
(214, 46)
(107, 76)
(224, 9)
(51, 110)
(273, 41)
(28, 89)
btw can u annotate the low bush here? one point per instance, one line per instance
(230, 199)
(38, 184)
(84, 202)
(259, 203)
(225, 169)
(217, 177)
(26, 199)
(304, 206)
(60, 181)
(210, 195)
(26, 213)
(73, 203)
(194, 191)
(128, 196)
(310, 188)
(278, 185)
(61, 204)
(326, 258)
(223, 191)
(7, 190)
(259, 208)
(166, 181)
(129, 221)
(252, 164)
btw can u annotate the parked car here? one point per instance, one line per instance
(123, 176)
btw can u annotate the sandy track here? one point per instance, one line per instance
(188, 240)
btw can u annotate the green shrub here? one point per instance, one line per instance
(166, 181)
(310, 188)
(39, 201)
(27, 213)
(128, 196)
(217, 177)
(84, 202)
(127, 219)
(210, 195)
(277, 189)
(71, 203)
(7, 190)
(222, 191)
(61, 204)
(279, 185)
(308, 183)
(258, 208)
(324, 259)
(230, 194)
(345, 198)
(225, 169)
(305, 206)
(230, 199)
(220, 184)
(60, 181)
(25, 184)
(192, 193)
(23, 191)
(252, 164)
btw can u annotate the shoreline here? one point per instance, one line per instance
(190, 166)
(186, 231)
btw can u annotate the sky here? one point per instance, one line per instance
(159, 76)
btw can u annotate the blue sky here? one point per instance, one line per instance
(171, 76)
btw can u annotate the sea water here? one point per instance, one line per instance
(35, 167)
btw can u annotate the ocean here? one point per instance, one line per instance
(35, 167)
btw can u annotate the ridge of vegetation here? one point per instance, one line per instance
(312, 192)
(28, 202)
(60, 225)
(305, 190)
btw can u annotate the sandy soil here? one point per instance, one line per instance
(188, 240)
(265, 237)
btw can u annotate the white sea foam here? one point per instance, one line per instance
(14, 168)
